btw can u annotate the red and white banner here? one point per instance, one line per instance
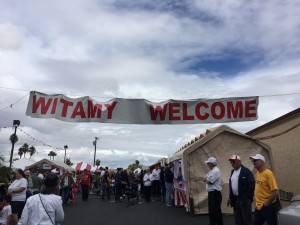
(142, 111)
(83, 166)
(180, 194)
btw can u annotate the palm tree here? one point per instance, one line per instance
(24, 149)
(52, 153)
(134, 165)
(137, 162)
(1, 160)
(13, 138)
(98, 162)
(20, 152)
(32, 151)
(68, 162)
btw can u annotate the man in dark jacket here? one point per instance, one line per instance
(118, 184)
(169, 176)
(241, 191)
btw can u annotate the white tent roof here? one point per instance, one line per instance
(205, 137)
(53, 163)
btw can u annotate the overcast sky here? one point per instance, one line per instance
(156, 50)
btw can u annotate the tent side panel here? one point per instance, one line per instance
(221, 147)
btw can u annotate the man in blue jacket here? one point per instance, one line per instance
(241, 191)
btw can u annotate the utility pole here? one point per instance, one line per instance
(95, 144)
(65, 147)
(16, 123)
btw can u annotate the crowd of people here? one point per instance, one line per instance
(47, 193)
(107, 183)
(32, 199)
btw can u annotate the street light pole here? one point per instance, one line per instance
(95, 144)
(65, 147)
(16, 123)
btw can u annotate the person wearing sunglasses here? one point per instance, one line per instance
(266, 193)
(213, 182)
(241, 191)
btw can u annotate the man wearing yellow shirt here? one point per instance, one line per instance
(266, 192)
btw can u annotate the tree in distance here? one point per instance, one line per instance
(68, 162)
(98, 162)
(52, 154)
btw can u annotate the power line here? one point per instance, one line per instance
(17, 89)
(276, 95)
(11, 105)
(164, 99)
(111, 97)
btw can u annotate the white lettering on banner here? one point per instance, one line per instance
(141, 111)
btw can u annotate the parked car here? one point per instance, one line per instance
(290, 215)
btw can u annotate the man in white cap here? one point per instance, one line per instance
(241, 190)
(266, 192)
(214, 186)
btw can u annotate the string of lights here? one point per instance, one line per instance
(41, 142)
(122, 139)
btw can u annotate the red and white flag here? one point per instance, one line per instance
(82, 166)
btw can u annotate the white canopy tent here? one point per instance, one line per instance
(46, 164)
(219, 142)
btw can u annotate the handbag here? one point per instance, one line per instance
(46, 210)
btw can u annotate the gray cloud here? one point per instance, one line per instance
(10, 38)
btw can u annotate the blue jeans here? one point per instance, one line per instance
(169, 187)
(65, 194)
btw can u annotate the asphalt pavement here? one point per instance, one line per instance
(98, 212)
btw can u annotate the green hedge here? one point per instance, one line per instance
(4, 172)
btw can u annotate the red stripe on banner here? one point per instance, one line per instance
(88, 167)
(178, 197)
(183, 197)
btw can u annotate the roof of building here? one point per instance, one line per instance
(275, 122)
